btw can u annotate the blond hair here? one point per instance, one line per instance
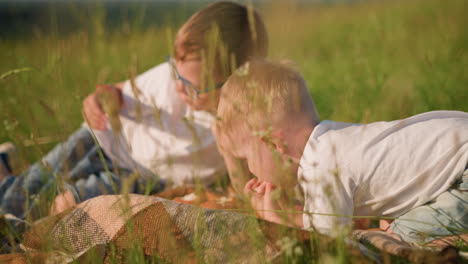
(225, 32)
(261, 94)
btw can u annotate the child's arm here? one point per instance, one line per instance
(269, 208)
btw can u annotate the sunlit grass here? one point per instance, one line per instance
(363, 62)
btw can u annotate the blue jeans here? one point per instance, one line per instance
(77, 165)
(447, 215)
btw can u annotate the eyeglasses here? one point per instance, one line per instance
(189, 87)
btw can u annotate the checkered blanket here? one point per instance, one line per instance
(175, 232)
(111, 227)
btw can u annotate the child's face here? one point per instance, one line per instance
(190, 71)
(264, 158)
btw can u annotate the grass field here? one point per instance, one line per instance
(363, 61)
(377, 60)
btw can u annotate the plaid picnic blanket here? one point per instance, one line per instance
(110, 227)
(174, 232)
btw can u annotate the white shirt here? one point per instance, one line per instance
(162, 134)
(380, 169)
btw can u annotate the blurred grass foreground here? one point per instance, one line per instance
(363, 60)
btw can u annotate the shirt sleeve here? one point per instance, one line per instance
(149, 80)
(328, 204)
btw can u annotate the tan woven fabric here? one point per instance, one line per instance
(174, 232)
(111, 227)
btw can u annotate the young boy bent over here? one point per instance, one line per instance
(414, 169)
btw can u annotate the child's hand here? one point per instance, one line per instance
(93, 114)
(110, 101)
(260, 194)
(93, 111)
(268, 207)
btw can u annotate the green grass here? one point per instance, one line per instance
(363, 62)
(382, 60)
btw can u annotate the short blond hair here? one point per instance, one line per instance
(261, 94)
(233, 32)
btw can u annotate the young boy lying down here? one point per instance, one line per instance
(413, 170)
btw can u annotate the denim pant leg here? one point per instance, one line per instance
(110, 182)
(447, 215)
(95, 174)
(77, 165)
(18, 193)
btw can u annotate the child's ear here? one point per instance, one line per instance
(275, 140)
(280, 147)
